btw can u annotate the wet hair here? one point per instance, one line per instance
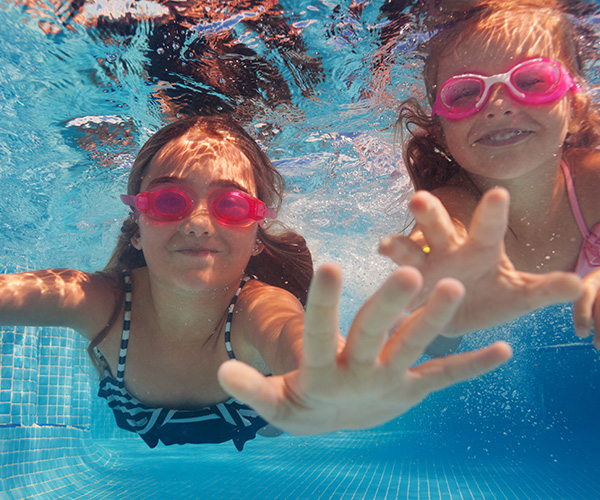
(549, 23)
(285, 261)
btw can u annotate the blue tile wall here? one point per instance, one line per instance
(48, 396)
(47, 385)
(45, 378)
(45, 401)
(39, 461)
(19, 376)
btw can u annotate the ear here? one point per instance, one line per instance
(136, 241)
(259, 246)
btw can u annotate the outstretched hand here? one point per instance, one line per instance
(495, 291)
(370, 379)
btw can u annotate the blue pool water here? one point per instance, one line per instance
(79, 101)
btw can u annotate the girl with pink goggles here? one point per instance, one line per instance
(531, 82)
(174, 202)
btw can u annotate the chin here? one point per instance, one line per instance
(208, 281)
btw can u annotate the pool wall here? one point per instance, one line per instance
(45, 408)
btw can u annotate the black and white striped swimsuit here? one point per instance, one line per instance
(211, 424)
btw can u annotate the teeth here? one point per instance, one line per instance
(504, 136)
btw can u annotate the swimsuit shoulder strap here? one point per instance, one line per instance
(126, 327)
(575, 208)
(230, 309)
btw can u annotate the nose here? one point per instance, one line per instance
(499, 102)
(199, 222)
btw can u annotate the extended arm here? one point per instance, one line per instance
(370, 379)
(57, 297)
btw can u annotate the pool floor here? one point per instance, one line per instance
(363, 465)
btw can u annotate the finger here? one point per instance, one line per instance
(376, 317)
(583, 309)
(249, 386)
(490, 218)
(402, 250)
(408, 342)
(443, 372)
(320, 336)
(551, 288)
(433, 220)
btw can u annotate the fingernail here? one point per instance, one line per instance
(582, 331)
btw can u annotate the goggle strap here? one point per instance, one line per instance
(128, 200)
(270, 213)
(131, 202)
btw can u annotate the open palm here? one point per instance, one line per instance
(370, 379)
(495, 291)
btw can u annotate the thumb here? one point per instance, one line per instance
(250, 386)
(553, 288)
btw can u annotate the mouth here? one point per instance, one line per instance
(504, 137)
(196, 252)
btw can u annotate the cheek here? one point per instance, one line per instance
(244, 239)
(561, 117)
(152, 234)
(556, 121)
(455, 137)
(242, 242)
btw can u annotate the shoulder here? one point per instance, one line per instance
(586, 176)
(259, 299)
(269, 318)
(99, 294)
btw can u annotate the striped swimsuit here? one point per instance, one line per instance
(211, 424)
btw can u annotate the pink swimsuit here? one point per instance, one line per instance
(589, 257)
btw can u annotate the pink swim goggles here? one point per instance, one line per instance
(174, 202)
(531, 82)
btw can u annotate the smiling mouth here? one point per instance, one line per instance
(503, 137)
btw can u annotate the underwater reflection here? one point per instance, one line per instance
(196, 58)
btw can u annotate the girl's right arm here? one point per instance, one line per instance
(58, 297)
(372, 377)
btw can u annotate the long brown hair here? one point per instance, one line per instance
(426, 157)
(285, 262)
